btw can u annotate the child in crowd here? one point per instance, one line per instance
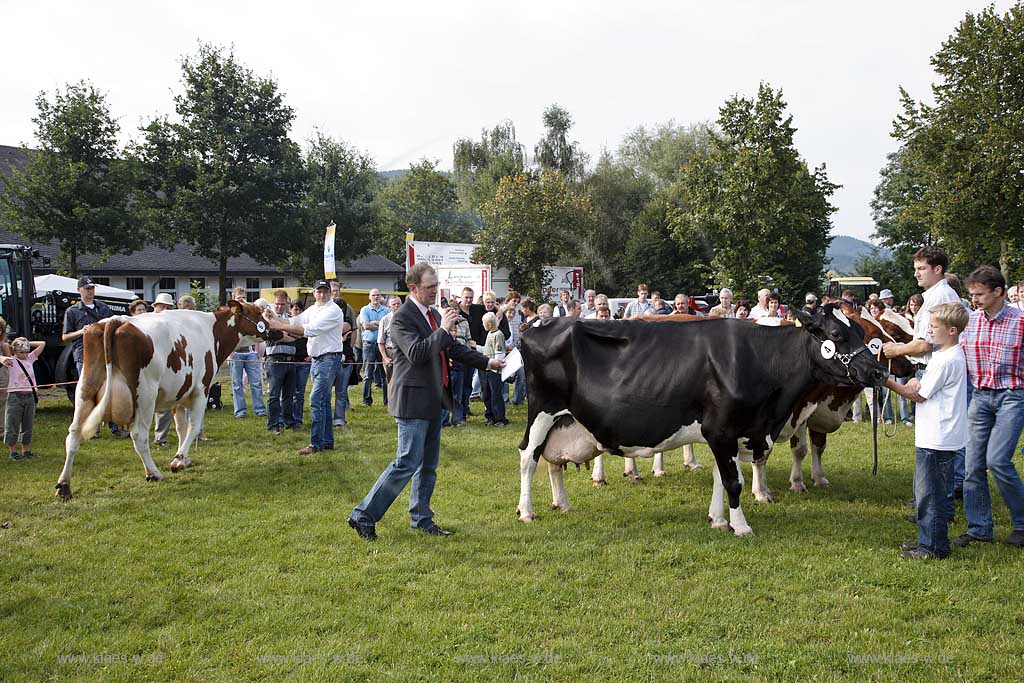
(22, 395)
(491, 391)
(940, 429)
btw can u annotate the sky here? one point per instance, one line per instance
(403, 80)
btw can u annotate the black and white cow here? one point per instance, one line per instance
(633, 388)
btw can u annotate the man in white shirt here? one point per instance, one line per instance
(930, 265)
(589, 304)
(761, 309)
(324, 324)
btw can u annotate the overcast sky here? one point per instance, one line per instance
(403, 80)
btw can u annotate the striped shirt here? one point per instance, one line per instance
(993, 348)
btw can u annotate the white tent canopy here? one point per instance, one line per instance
(50, 283)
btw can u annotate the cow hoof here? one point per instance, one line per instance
(63, 490)
(526, 518)
(743, 531)
(764, 497)
(823, 483)
(633, 477)
(660, 473)
(177, 465)
(720, 524)
(154, 477)
(598, 483)
(563, 508)
(798, 487)
(695, 466)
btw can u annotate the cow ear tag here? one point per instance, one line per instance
(828, 349)
(875, 346)
(261, 327)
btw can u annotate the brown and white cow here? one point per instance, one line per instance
(136, 365)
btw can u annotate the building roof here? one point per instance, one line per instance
(178, 260)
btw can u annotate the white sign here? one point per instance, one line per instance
(329, 252)
(513, 362)
(451, 280)
(563, 277)
(439, 253)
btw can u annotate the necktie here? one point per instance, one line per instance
(444, 356)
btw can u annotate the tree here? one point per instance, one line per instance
(661, 152)
(532, 222)
(76, 189)
(341, 188)
(554, 152)
(618, 194)
(967, 146)
(894, 271)
(479, 166)
(423, 202)
(225, 177)
(655, 256)
(753, 198)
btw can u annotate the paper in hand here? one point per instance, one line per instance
(513, 361)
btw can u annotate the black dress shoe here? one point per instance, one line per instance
(365, 531)
(435, 530)
(909, 545)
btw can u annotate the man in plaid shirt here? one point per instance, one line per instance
(993, 346)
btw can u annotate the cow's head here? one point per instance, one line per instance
(884, 331)
(839, 354)
(248, 320)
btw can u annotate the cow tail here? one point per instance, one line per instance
(92, 422)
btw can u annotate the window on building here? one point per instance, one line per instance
(252, 288)
(135, 284)
(198, 283)
(277, 282)
(229, 283)
(169, 285)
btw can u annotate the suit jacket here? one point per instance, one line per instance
(416, 391)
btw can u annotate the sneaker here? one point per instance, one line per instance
(277, 431)
(888, 422)
(919, 553)
(503, 423)
(909, 545)
(908, 423)
(340, 423)
(14, 457)
(964, 540)
(1016, 538)
(489, 423)
(28, 454)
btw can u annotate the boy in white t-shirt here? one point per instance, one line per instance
(940, 429)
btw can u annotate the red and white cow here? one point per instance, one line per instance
(134, 366)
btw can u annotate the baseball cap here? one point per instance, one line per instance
(322, 284)
(85, 281)
(885, 294)
(811, 296)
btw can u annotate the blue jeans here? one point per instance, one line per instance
(419, 449)
(324, 372)
(492, 390)
(467, 389)
(932, 475)
(281, 375)
(247, 363)
(373, 371)
(458, 414)
(341, 392)
(519, 387)
(994, 422)
(301, 378)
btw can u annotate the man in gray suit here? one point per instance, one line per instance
(423, 340)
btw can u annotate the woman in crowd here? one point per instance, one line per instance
(743, 309)
(137, 307)
(914, 304)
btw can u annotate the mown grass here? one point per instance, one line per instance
(242, 569)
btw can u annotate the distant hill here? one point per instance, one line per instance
(393, 174)
(844, 252)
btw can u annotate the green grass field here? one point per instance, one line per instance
(242, 569)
